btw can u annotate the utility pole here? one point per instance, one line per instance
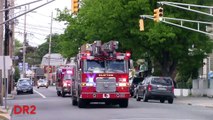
(24, 43)
(12, 47)
(6, 49)
(1, 51)
(50, 40)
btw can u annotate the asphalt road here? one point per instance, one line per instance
(51, 107)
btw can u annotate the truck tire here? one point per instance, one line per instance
(58, 93)
(81, 103)
(145, 99)
(74, 102)
(138, 98)
(170, 100)
(124, 103)
(63, 94)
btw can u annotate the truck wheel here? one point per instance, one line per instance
(63, 94)
(170, 100)
(124, 103)
(58, 93)
(74, 102)
(137, 97)
(162, 100)
(81, 103)
(145, 99)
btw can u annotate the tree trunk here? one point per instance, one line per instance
(168, 65)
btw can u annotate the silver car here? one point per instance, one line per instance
(157, 88)
(42, 83)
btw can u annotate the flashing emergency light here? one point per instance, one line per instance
(128, 54)
(88, 53)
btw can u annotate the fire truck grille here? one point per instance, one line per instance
(105, 84)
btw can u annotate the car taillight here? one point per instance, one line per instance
(149, 87)
(173, 88)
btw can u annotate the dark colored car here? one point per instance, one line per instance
(23, 87)
(157, 88)
(133, 84)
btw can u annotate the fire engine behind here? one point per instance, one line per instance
(64, 76)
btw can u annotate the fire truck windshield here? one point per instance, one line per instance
(115, 66)
(67, 77)
(109, 66)
(94, 66)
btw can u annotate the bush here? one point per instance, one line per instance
(17, 74)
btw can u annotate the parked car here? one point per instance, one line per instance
(133, 84)
(157, 88)
(24, 86)
(42, 83)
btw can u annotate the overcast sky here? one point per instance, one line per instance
(38, 22)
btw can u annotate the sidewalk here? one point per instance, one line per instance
(5, 114)
(195, 101)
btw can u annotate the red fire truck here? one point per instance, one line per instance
(102, 75)
(64, 77)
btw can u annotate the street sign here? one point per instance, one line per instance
(20, 66)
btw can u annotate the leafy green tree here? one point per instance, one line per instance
(166, 46)
(17, 74)
(43, 49)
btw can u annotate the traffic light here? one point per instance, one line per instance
(141, 24)
(75, 6)
(158, 14)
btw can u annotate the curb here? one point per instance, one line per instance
(6, 115)
(207, 106)
(2, 117)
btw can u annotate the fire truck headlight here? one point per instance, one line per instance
(90, 84)
(122, 84)
(65, 84)
(89, 80)
(122, 79)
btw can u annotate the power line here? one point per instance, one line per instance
(27, 12)
(40, 26)
(33, 32)
(43, 29)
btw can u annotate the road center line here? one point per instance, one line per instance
(40, 94)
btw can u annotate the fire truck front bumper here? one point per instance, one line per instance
(66, 89)
(96, 95)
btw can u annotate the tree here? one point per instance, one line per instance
(43, 49)
(17, 74)
(167, 46)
